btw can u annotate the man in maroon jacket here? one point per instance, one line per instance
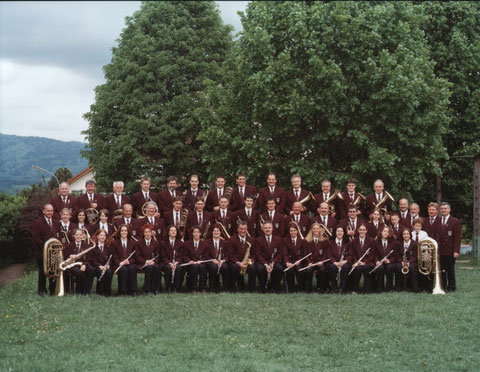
(63, 200)
(325, 219)
(240, 192)
(133, 225)
(273, 215)
(404, 213)
(374, 199)
(166, 197)
(296, 193)
(143, 196)
(43, 229)
(192, 193)
(324, 196)
(449, 236)
(249, 215)
(271, 191)
(431, 222)
(198, 217)
(91, 199)
(302, 220)
(237, 247)
(214, 195)
(350, 197)
(117, 199)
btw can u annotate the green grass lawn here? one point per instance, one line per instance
(242, 332)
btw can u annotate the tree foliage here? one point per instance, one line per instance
(63, 174)
(329, 90)
(143, 121)
(10, 209)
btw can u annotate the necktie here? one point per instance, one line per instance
(271, 216)
(177, 222)
(323, 221)
(351, 197)
(50, 223)
(101, 248)
(316, 241)
(194, 193)
(118, 201)
(241, 192)
(339, 246)
(296, 218)
(148, 243)
(384, 247)
(325, 197)
(91, 198)
(248, 214)
(431, 221)
(396, 228)
(403, 215)
(196, 246)
(216, 246)
(172, 193)
(200, 219)
(416, 237)
(361, 243)
(128, 221)
(296, 194)
(219, 193)
(124, 245)
(146, 196)
(243, 242)
(151, 220)
(443, 221)
(64, 200)
(172, 243)
(293, 242)
(269, 240)
(223, 215)
(272, 190)
(378, 197)
(78, 247)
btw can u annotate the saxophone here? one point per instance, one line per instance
(405, 268)
(183, 223)
(245, 260)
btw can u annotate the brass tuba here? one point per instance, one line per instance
(429, 263)
(52, 259)
(330, 200)
(359, 200)
(382, 202)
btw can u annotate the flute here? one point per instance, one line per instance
(195, 263)
(174, 267)
(356, 263)
(122, 263)
(315, 264)
(146, 262)
(381, 262)
(297, 262)
(104, 271)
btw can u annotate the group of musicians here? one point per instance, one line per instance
(229, 232)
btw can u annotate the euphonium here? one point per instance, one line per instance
(307, 198)
(246, 257)
(382, 202)
(359, 200)
(52, 258)
(336, 195)
(429, 263)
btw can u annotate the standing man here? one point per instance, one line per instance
(143, 196)
(91, 199)
(324, 196)
(295, 194)
(214, 195)
(173, 217)
(271, 191)
(349, 198)
(404, 213)
(374, 199)
(198, 217)
(240, 192)
(275, 217)
(431, 222)
(117, 199)
(43, 229)
(224, 216)
(192, 193)
(166, 197)
(449, 235)
(63, 200)
(249, 215)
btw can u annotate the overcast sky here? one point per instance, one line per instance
(51, 59)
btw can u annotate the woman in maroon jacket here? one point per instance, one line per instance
(386, 247)
(102, 224)
(376, 225)
(356, 249)
(123, 250)
(170, 257)
(215, 248)
(147, 258)
(100, 262)
(192, 252)
(338, 260)
(409, 258)
(294, 249)
(317, 245)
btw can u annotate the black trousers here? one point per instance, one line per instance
(127, 279)
(387, 270)
(152, 278)
(41, 286)
(77, 274)
(214, 276)
(344, 278)
(307, 279)
(261, 271)
(322, 277)
(447, 265)
(301, 278)
(104, 286)
(367, 278)
(234, 271)
(175, 284)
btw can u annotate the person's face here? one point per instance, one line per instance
(316, 230)
(444, 210)
(81, 217)
(406, 235)
(172, 185)
(216, 233)
(326, 187)
(249, 202)
(432, 211)
(271, 180)
(48, 211)
(196, 234)
(241, 181)
(147, 233)
(296, 182)
(385, 233)
(194, 183)
(103, 217)
(151, 210)
(145, 185)
(403, 205)
(177, 205)
(271, 205)
(63, 189)
(172, 232)
(378, 187)
(220, 182)
(118, 188)
(351, 187)
(78, 236)
(242, 230)
(267, 229)
(101, 237)
(293, 232)
(362, 231)
(417, 227)
(376, 215)
(323, 209)
(414, 209)
(297, 207)
(339, 233)
(124, 232)
(352, 213)
(200, 205)
(394, 220)
(127, 211)
(223, 203)
(65, 216)
(90, 188)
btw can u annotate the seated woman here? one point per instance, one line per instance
(409, 256)
(147, 258)
(170, 259)
(386, 246)
(294, 248)
(318, 245)
(338, 266)
(192, 253)
(215, 248)
(103, 223)
(99, 265)
(375, 225)
(123, 250)
(73, 251)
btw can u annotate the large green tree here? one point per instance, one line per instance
(143, 121)
(329, 89)
(63, 174)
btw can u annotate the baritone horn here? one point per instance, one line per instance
(429, 263)
(52, 259)
(336, 195)
(381, 203)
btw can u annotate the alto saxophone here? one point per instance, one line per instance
(246, 258)
(405, 268)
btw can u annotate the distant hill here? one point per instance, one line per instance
(18, 154)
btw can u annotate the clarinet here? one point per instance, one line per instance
(219, 259)
(341, 259)
(104, 271)
(269, 275)
(174, 267)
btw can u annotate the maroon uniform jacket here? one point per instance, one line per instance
(138, 200)
(190, 253)
(193, 220)
(336, 252)
(72, 249)
(412, 252)
(229, 221)
(278, 195)
(237, 201)
(145, 252)
(84, 203)
(119, 254)
(292, 253)
(165, 200)
(168, 254)
(372, 202)
(278, 223)
(268, 253)
(92, 229)
(331, 223)
(392, 245)
(407, 221)
(355, 251)
(346, 222)
(212, 199)
(373, 231)
(158, 226)
(111, 204)
(168, 217)
(431, 228)
(252, 222)
(304, 224)
(58, 227)
(319, 251)
(189, 198)
(41, 233)
(96, 257)
(134, 228)
(398, 231)
(449, 236)
(210, 252)
(58, 205)
(345, 203)
(290, 198)
(236, 250)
